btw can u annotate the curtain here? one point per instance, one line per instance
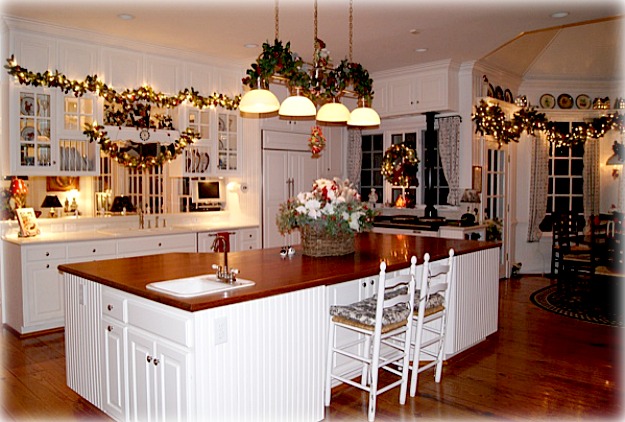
(539, 185)
(449, 151)
(354, 156)
(591, 178)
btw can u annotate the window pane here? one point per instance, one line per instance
(377, 160)
(578, 204)
(366, 160)
(377, 178)
(578, 186)
(562, 152)
(366, 143)
(578, 150)
(562, 204)
(563, 186)
(561, 167)
(378, 142)
(577, 167)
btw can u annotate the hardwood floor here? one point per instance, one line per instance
(537, 366)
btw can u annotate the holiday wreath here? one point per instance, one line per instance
(400, 165)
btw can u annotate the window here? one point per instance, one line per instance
(566, 182)
(371, 177)
(370, 174)
(145, 188)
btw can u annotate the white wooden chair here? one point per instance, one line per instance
(380, 320)
(430, 316)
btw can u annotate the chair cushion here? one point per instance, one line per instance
(362, 314)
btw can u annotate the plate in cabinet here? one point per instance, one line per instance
(547, 101)
(565, 101)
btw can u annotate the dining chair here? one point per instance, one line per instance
(430, 317)
(380, 321)
(566, 237)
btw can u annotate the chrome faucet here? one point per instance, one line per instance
(141, 219)
(224, 273)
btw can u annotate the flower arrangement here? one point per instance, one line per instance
(18, 192)
(333, 207)
(317, 141)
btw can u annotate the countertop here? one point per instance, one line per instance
(272, 274)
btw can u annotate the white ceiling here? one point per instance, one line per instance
(460, 30)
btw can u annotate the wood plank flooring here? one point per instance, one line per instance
(537, 366)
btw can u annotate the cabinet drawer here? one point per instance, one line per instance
(114, 305)
(93, 249)
(170, 324)
(176, 242)
(248, 235)
(38, 253)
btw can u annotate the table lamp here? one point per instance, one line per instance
(52, 202)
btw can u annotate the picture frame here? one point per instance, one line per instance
(62, 183)
(28, 222)
(476, 179)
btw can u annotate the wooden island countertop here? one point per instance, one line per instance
(272, 274)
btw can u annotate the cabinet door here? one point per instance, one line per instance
(32, 132)
(44, 294)
(227, 143)
(114, 394)
(141, 377)
(276, 189)
(173, 375)
(402, 96)
(332, 157)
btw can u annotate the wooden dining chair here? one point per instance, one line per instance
(380, 321)
(567, 236)
(431, 317)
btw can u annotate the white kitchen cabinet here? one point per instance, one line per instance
(113, 369)
(122, 69)
(285, 174)
(197, 160)
(158, 378)
(248, 239)
(93, 250)
(228, 156)
(417, 90)
(148, 245)
(34, 287)
(332, 157)
(451, 232)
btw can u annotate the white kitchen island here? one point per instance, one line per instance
(256, 353)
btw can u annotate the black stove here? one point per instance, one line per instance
(409, 222)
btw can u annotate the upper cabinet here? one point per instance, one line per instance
(416, 90)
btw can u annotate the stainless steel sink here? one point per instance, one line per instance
(196, 286)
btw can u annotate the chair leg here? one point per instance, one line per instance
(405, 369)
(415, 360)
(366, 369)
(328, 386)
(373, 388)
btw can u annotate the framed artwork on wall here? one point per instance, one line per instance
(62, 183)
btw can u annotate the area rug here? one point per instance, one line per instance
(584, 306)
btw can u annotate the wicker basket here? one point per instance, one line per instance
(320, 243)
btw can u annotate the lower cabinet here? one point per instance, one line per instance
(114, 391)
(157, 379)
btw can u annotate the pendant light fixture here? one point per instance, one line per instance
(309, 86)
(260, 100)
(363, 115)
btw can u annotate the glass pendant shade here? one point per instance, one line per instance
(259, 101)
(297, 106)
(333, 113)
(364, 116)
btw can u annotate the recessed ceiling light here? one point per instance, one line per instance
(414, 32)
(125, 16)
(421, 50)
(559, 15)
(250, 45)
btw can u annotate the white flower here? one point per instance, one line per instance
(313, 207)
(328, 209)
(354, 220)
(345, 216)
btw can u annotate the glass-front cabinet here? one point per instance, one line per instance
(47, 137)
(34, 132)
(227, 146)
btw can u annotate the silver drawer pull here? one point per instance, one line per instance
(149, 358)
(156, 361)
(109, 307)
(109, 328)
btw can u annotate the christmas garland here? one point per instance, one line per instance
(491, 120)
(96, 86)
(122, 152)
(400, 165)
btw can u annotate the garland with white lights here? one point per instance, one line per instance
(491, 120)
(126, 154)
(400, 165)
(96, 86)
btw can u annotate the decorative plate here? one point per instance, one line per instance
(507, 96)
(565, 101)
(204, 162)
(499, 93)
(583, 102)
(28, 133)
(491, 91)
(547, 101)
(27, 106)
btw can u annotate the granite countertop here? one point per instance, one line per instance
(271, 273)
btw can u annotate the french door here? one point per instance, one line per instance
(495, 194)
